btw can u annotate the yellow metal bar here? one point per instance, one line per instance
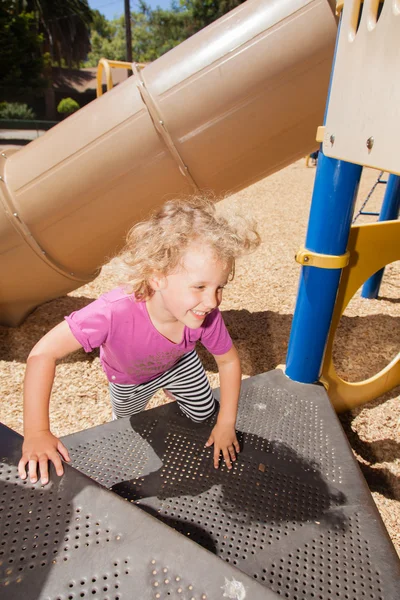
(323, 261)
(107, 65)
(119, 64)
(103, 64)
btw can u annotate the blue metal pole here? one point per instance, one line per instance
(389, 212)
(332, 207)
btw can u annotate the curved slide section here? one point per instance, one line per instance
(234, 103)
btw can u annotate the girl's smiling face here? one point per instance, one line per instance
(192, 290)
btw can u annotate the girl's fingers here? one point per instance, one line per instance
(44, 469)
(216, 456)
(232, 452)
(63, 451)
(227, 458)
(56, 460)
(237, 447)
(209, 442)
(22, 467)
(42, 462)
(32, 470)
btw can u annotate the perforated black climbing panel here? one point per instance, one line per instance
(294, 513)
(293, 518)
(74, 540)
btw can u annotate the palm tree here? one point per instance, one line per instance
(65, 25)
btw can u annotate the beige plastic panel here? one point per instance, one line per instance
(363, 114)
(239, 100)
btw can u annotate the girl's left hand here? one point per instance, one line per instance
(224, 439)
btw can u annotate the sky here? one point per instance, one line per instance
(115, 8)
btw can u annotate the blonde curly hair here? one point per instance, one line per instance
(158, 244)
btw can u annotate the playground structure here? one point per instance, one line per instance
(295, 462)
(365, 32)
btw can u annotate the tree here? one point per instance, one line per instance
(100, 24)
(21, 61)
(154, 32)
(166, 29)
(64, 25)
(107, 43)
(205, 12)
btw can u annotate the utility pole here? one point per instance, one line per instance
(128, 32)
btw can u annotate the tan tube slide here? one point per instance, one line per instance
(234, 103)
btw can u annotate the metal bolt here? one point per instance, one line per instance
(370, 142)
(4, 155)
(15, 215)
(306, 259)
(332, 139)
(161, 122)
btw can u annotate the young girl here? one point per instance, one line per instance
(177, 264)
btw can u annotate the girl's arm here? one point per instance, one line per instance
(223, 436)
(40, 445)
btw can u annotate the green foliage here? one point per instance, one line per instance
(67, 106)
(154, 32)
(109, 45)
(21, 61)
(205, 12)
(64, 26)
(16, 110)
(100, 25)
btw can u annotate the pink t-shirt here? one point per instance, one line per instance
(132, 351)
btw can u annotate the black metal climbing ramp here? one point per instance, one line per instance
(294, 517)
(73, 540)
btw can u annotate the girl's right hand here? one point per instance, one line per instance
(37, 450)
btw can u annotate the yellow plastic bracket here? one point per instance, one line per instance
(320, 134)
(323, 261)
(372, 246)
(339, 6)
